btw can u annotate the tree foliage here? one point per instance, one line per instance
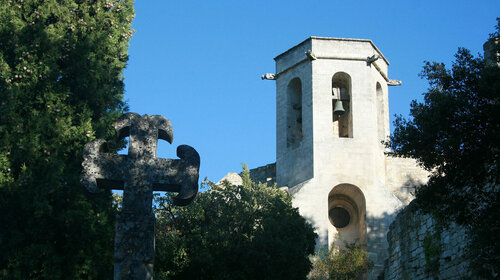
(348, 263)
(233, 232)
(61, 85)
(455, 133)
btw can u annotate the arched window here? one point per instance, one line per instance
(346, 212)
(341, 104)
(294, 113)
(380, 113)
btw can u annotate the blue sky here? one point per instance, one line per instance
(198, 63)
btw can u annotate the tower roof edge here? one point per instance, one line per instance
(332, 39)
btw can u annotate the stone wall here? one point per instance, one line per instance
(421, 248)
(264, 174)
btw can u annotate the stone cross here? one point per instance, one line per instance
(138, 174)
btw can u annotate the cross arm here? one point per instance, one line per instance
(178, 175)
(101, 170)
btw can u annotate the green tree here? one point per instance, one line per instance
(233, 232)
(348, 263)
(61, 85)
(455, 133)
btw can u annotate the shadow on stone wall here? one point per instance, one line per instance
(322, 239)
(406, 192)
(422, 248)
(377, 246)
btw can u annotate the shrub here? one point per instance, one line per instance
(340, 263)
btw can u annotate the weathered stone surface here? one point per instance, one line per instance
(232, 178)
(264, 174)
(419, 248)
(138, 174)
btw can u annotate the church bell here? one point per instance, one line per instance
(339, 109)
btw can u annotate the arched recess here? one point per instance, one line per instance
(347, 215)
(341, 92)
(380, 113)
(294, 113)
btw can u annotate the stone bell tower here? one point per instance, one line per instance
(332, 115)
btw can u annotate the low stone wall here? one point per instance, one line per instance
(421, 248)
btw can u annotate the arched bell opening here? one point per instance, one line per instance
(346, 213)
(341, 105)
(380, 113)
(294, 113)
